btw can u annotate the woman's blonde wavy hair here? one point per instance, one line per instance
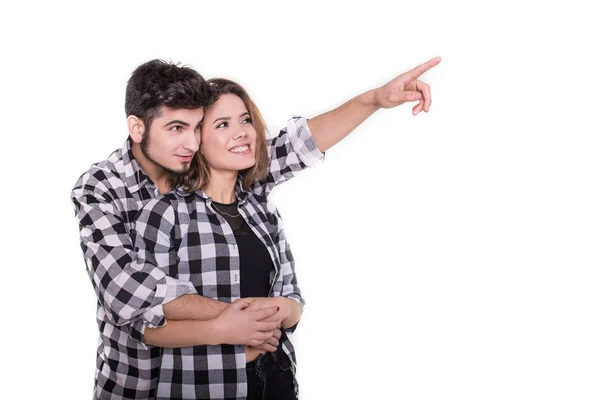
(198, 176)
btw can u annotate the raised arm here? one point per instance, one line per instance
(331, 127)
(302, 142)
(291, 151)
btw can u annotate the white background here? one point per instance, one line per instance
(449, 255)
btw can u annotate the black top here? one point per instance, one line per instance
(255, 262)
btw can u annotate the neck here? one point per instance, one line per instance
(155, 172)
(221, 186)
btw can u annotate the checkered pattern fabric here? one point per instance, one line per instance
(183, 236)
(130, 294)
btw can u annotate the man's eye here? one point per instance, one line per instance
(177, 128)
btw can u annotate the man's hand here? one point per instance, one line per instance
(240, 325)
(407, 87)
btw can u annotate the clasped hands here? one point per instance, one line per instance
(256, 321)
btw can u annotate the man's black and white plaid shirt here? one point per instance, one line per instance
(107, 199)
(187, 239)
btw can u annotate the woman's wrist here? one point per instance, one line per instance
(293, 312)
(211, 331)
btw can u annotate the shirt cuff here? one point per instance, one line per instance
(166, 292)
(154, 317)
(137, 329)
(297, 298)
(303, 142)
(300, 301)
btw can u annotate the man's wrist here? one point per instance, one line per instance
(223, 306)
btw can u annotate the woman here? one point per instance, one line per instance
(218, 230)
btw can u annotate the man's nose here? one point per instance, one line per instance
(192, 141)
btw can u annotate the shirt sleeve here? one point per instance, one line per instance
(293, 150)
(127, 288)
(287, 282)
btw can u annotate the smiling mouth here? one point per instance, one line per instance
(186, 158)
(240, 149)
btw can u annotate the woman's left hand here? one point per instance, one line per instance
(286, 308)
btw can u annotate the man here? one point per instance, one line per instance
(164, 107)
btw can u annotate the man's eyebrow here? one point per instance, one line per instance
(176, 121)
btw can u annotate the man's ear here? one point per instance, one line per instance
(136, 128)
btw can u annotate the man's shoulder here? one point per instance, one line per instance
(103, 175)
(104, 178)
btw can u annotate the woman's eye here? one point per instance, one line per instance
(222, 125)
(247, 121)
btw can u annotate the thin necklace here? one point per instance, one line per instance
(223, 212)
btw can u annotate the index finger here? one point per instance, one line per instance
(241, 304)
(421, 69)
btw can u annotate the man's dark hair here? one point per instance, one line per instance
(160, 83)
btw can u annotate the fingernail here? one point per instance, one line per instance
(277, 308)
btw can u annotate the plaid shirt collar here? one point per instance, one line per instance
(134, 177)
(242, 195)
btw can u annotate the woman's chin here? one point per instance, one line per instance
(247, 164)
(237, 163)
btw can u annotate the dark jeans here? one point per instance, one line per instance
(270, 377)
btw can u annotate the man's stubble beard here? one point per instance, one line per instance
(145, 147)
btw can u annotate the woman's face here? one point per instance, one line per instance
(228, 136)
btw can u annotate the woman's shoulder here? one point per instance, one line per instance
(263, 205)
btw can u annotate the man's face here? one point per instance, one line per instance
(173, 138)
